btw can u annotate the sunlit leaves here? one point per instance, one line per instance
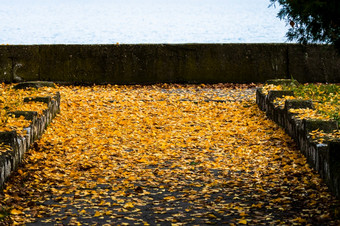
(326, 98)
(17, 124)
(16, 212)
(118, 153)
(308, 114)
(5, 147)
(13, 100)
(32, 106)
(271, 87)
(326, 101)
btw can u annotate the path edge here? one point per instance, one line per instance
(11, 159)
(322, 157)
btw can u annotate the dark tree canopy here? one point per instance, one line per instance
(311, 21)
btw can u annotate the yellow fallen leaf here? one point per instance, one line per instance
(97, 214)
(242, 214)
(243, 221)
(128, 205)
(300, 220)
(16, 212)
(170, 198)
(210, 215)
(259, 205)
(82, 212)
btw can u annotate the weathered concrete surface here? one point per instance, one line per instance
(6, 73)
(172, 63)
(131, 64)
(25, 62)
(313, 63)
(73, 63)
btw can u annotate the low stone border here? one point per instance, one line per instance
(10, 159)
(324, 157)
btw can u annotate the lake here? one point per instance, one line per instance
(139, 21)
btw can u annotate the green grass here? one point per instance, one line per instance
(326, 97)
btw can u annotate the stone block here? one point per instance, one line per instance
(293, 125)
(327, 126)
(284, 82)
(46, 100)
(309, 125)
(273, 94)
(296, 104)
(29, 115)
(34, 84)
(5, 167)
(8, 137)
(334, 152)
(261, 99)
(271, 110)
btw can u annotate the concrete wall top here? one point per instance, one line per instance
(171, 63)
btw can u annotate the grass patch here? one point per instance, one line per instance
(325, 97)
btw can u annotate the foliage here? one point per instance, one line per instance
(165, 154)
(326, 98)
(311, 20)
(326, 101)
(13, 100)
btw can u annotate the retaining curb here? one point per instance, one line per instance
(10, 160)
(324, 157)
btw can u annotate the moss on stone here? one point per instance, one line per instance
(313, 124)
(34, 84)
(295, 104)
(46, 100)
(29, 115)
(283, 82)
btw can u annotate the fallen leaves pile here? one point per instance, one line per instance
(165, 154)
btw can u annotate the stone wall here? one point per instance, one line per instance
(170, 63)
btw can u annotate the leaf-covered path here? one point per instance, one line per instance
(165, 155)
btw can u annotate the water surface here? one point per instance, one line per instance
(139, 21)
